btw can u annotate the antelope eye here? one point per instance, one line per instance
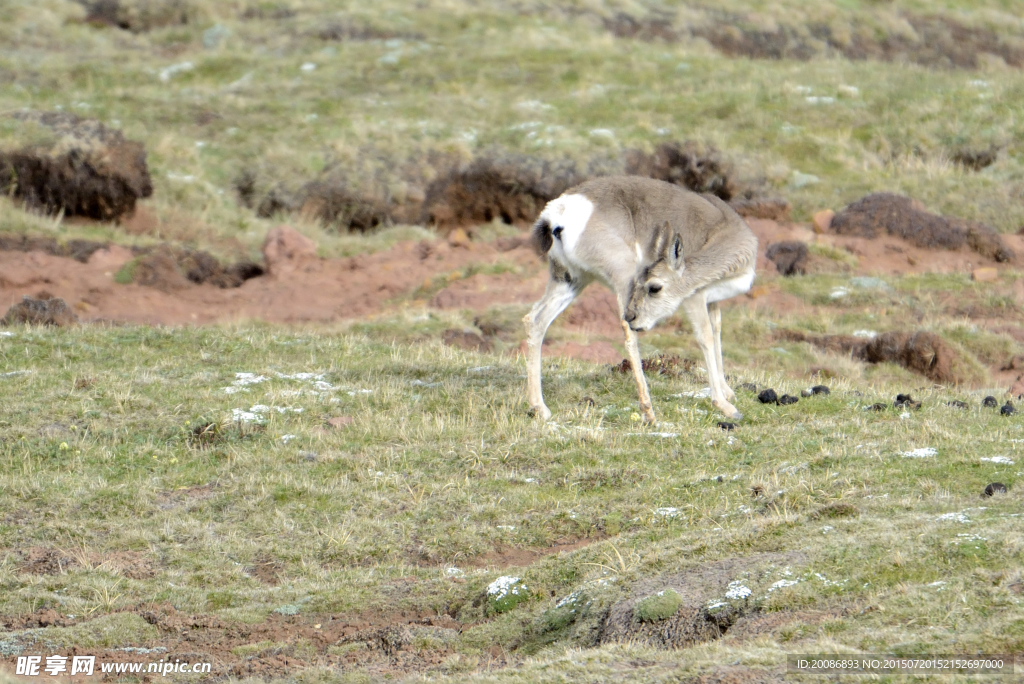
(653, 289)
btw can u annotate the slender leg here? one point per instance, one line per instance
(715, 314)
(633, 353)
(558, 295)
(697, 311)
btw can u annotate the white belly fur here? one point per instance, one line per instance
(724, 289)
(570, 213)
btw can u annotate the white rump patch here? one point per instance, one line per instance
(724, 289)
(570, 213)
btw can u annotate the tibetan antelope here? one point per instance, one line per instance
(657, 247)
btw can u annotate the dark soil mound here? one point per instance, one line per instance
(76, 166)
(141, 15)
(172, 268)
(975, 159)
(511, 187)
(774, 208)
(908, 219)
(670, 365)
(79, 250)
(790, 257)
(45, 310)
(922, 352)
(697, 167)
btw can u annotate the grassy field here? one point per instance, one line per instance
(162, 480)
(181, 489)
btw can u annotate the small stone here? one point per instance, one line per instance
(340, 421)
(806, 393)
(458, 238)
(1007, 409)
(990, 402)
(310, 456)
(822, 220)
(749, 386)
(768, 396)
(787, 399)
(821, 389)
(758, 291)
(956, 403)
(726, 425)
(986, 274)
(995, 488)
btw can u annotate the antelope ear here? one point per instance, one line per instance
(663, 242)
(675, 253)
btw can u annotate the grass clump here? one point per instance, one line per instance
(657, 607)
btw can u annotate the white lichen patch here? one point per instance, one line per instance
(666, 512)
(505, 586)
(954, 517)
(998, 459)
(737, 590)
(782, 584)
(924, 452)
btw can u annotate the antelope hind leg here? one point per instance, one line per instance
(558, 295)
(715, 314)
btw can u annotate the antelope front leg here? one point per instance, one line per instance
(633, 353)
(558, 295)
(715, 314)
(697, 311)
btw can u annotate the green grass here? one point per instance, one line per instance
(441, 466)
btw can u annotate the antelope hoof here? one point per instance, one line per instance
(542, 412)
(649, 418)
(730, 396)
(728, 409)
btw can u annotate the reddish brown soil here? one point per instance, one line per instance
(379, 644)
(430, 274)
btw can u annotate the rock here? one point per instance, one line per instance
(309, 456)
(110, 258)
(787, 399)
(726, 425)
(789, 256)
(990, 402)
(42, 311)
(286, 249)
(821, 389)
(822, 220)
(806, 393)
(340, 421)
(759, 291)
(768, 396)
(1007, 409)
(994, 488)
(986, 274)
(458, 238)
(76, 166)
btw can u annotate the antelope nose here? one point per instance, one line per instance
(630, 317)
